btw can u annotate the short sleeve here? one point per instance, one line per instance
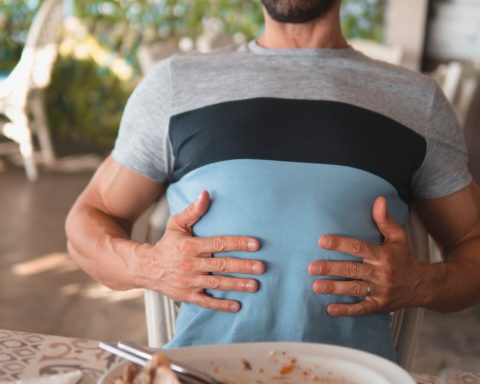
(445, 167)
(143, 144)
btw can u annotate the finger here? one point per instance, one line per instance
(348, 245)
(223, 283)
(347, 288)
(203, 300)
(363, 307)
(230, 265)
(190, 215)
(216, 244)
(385, 223)
(347, 269)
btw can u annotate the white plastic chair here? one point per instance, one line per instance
(20, 93)
(449, 77)
(459, 82)
(160, 311)
(406, 324)
(393, 54)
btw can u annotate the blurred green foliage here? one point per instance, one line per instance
(364, 19)
(87, 100)
(86, 103)
(15, 18)
(167, 18)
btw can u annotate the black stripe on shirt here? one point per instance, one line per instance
(310, 131)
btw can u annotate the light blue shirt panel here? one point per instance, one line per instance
(287, 206)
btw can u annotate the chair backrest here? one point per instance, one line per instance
(459, 83)
(42, 38)
(466, 97)
(449, 78)
(39, 54)
(392, 54)
(161, 315)
(406, 324)
(160, 311)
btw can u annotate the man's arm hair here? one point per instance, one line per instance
(454, 223)
(99, 224)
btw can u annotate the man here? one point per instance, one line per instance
(301, 143)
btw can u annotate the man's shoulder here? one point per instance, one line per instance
(226, 52)
(397, 74)
(196, 61)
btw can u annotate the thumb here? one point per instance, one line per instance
(194, 212)
(385, 223)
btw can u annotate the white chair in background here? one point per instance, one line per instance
(449, 77)
(21, 99)
(459, 82)
(160, 311)
(393, 54)
(466, 96)
(406, 324)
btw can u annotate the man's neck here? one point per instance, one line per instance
(323, 33)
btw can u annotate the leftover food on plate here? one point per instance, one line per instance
(280, 363)
(156, 371)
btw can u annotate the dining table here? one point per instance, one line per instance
(25, 356)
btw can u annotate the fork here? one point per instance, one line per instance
(141, 355)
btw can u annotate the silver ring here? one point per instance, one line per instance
(369, 288)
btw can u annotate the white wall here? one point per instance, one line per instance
(454, 30)
(406, 26)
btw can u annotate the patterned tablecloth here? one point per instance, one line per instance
(28, 355)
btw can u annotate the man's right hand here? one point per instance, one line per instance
(180, 265)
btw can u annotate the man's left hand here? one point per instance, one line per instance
(388, 278)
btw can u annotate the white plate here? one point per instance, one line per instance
(262, 363)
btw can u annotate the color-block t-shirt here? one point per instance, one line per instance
(291, 144)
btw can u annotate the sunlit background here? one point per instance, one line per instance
(105, 45)
(104, 48)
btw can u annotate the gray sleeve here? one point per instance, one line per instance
(445, 167)
(143, 144)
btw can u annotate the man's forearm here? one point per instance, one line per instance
(453, 285)
(100, 245)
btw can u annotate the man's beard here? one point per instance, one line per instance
(297, 11)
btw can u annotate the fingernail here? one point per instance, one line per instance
(252, 285)
(331, 311)
(252, 244)
(325, 241)
(257, 267)
(320, 287)
(235, 307)
(315, 269)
